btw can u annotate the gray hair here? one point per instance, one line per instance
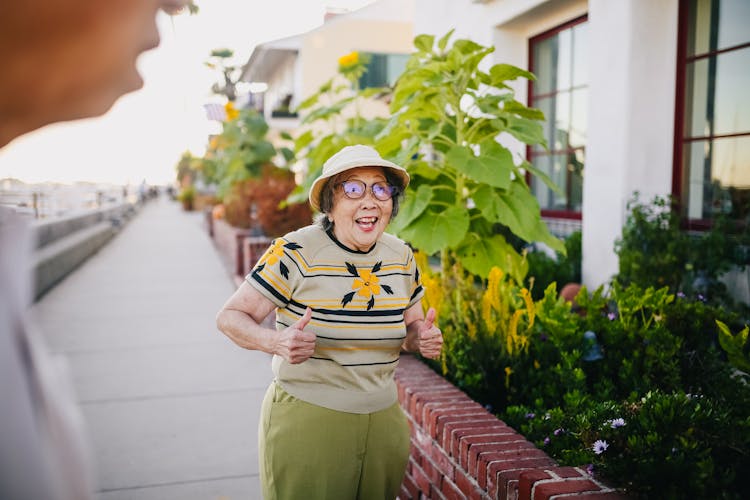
(328, 193)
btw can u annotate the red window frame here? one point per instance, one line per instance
(679, 189)
(560, 214)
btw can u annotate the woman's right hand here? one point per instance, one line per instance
(294, 344)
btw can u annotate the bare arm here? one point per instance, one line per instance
(422, 335)
(240, 318)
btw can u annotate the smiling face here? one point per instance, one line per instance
(358, 224)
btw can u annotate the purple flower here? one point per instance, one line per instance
(590, 469)
(530, 415)
(618, 422)
(680, 295)
(701, 298)
(599, 446)
(546, 441)
(611, 316)
(558, 432)
(543, 337)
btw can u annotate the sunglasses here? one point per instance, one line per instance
(355, 190)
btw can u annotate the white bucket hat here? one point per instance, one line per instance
(352, 157)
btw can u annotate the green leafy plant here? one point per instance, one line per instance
(240, 152)
(447, 115)
(333, 118)
(655, 250)
(736, 346)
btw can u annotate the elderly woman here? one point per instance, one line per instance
(347, 297)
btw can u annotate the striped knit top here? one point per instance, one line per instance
(357, 300)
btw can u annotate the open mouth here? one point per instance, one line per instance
(366, 223)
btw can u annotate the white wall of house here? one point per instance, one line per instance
(631, 119)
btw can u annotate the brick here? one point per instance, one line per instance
(489, 452)
(507, 483)
(438, 420)
(487, 442)
(443, 462)
(468, 486)
(421, 479)
(432, 471)
(526, 481)
(409, 488)
(487, 476)
(451, 491)
(459, 435)
(569, 472)
(446, 403)
(544, 491)
(445, 437)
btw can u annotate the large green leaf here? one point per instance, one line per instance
(413, 206)
(525, 130)
(519, 210)
(424, 42)
(479, 254)
(434, 231)
(493, 166)
(500, 73)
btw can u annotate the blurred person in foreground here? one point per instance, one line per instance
(347, 297)
(61, 60)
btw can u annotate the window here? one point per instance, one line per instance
(558, 58)
(712, 133)
(383, 70)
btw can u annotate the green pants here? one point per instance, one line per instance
(311, 452)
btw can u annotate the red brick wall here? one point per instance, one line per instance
(460, 451)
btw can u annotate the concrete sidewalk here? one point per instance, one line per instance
(171, 404)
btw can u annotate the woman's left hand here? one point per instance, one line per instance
(430, 336)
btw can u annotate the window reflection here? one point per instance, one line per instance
(561, 91)
(716, 136)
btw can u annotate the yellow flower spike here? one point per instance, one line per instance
(349, 60)
(508, 371)
(231, 112)
(530, 309)
(513, 339)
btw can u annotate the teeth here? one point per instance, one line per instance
(367, 220)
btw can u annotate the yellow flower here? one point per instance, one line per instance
(366, 284)
(349, 59)
(433, 291)
(530, 309)
(231, 111)
(274, 253)
(537, 365)
(508, 371)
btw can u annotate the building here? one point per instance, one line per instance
(294, 68)
(647, 96)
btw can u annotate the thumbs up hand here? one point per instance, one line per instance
(294, 344)
(430, 336)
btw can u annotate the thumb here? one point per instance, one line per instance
(429, 319)
(304, 320)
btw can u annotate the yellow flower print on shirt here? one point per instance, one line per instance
(365, 284)
(274, 254)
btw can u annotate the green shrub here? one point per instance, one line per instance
(656, 250)
(562, 269)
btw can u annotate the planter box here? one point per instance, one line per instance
(459, 450)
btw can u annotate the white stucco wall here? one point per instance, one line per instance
(631, 119)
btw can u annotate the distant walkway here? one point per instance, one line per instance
(172, 406)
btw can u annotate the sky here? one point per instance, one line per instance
(144, 134)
